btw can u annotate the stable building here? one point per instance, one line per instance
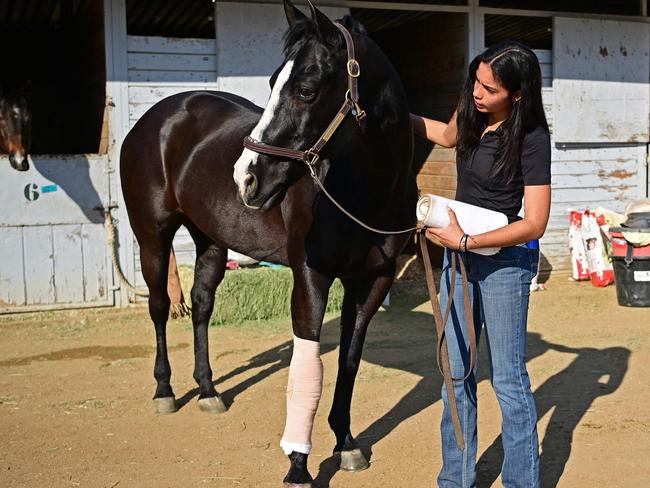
(96, 66)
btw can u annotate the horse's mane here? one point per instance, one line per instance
(304, 29)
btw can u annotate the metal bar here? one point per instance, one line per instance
(54, 306)
(555, 13)
(369, 5)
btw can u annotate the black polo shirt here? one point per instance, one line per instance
(475, 185)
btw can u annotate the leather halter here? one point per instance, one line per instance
(351, 104)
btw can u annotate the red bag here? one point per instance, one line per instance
(601, 270)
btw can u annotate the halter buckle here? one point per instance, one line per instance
(354, 70)
(311, 158)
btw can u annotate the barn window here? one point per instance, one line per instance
(612, 7)
(171, 18)
(58, 46)
(535, 32)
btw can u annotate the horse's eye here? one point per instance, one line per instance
(306, 93)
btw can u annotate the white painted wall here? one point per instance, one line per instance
(601, 71)
(162, 66)
(249, 46)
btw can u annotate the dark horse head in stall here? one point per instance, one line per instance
(16, 124)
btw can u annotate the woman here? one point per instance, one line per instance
(503, 155)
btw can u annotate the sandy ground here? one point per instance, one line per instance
(76, 410)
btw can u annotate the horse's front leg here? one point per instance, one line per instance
(308, 302)
(362, 299)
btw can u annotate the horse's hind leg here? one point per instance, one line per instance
(360, 303)
(208, 272)
(154, 256)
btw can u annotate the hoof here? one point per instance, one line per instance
(297, 485)
(212, 405)
(353, 460)
(165, 405)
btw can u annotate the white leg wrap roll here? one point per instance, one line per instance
(303, 394)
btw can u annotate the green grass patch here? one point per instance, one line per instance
(255, 295)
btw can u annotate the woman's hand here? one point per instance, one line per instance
(448, 236)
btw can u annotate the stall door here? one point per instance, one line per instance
(53, 243)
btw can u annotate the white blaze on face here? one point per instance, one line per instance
(249, 158)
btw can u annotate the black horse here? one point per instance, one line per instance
(15, 125)
(177, 169)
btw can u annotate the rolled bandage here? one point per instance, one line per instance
(431, 210)
(303, 394)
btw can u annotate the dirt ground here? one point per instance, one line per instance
(76, 410)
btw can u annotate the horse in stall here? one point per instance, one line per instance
(177, 168)
(15, 125)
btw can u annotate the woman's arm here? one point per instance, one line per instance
(436, 131)
(537, 207)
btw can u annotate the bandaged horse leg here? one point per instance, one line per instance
(362, 299)
(303, 394)
(308, 301)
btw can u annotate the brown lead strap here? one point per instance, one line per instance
(440, 321)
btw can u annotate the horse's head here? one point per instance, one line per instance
(15, 126)
(307, 90)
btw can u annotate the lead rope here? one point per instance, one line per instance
(441, 320)
(352, 217)
(110, 233)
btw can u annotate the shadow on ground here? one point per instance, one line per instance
(404, 339)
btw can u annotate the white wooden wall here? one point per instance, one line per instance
(249, 45)
(585, 172)
(53, 244)
(161, 66)
(602, 70)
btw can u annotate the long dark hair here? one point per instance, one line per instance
(517, 68)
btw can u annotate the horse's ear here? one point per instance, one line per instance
(292, 13)
(327, 31)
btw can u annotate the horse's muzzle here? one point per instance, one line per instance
(19, 162)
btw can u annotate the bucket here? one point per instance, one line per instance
(631, 270)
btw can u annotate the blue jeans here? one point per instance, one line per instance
(499, 290)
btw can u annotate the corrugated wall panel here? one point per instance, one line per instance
(68, 263)
(12, 273)
(95, 262)
(39, 264)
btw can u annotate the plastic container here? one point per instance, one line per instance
(431, 210)
(631, 268)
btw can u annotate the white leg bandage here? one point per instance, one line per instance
(303, 393)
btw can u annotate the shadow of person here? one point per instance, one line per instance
(404, 339)
(569, 394)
